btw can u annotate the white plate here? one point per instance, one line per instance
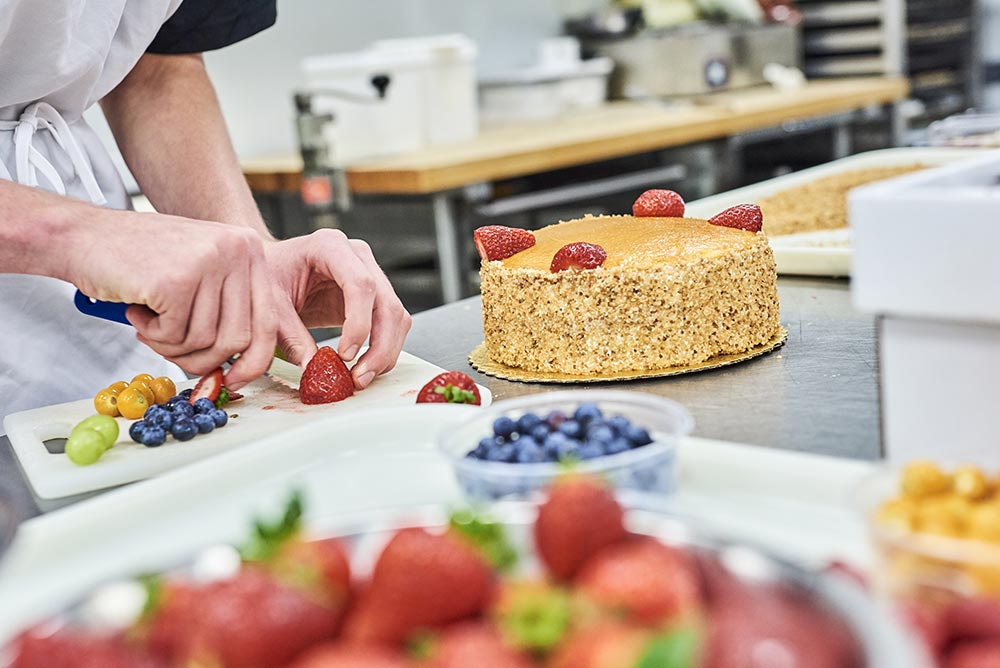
(826, 253)
(795, 505)
(269, 407)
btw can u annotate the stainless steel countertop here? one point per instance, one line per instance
(819, 393)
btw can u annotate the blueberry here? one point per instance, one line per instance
(526, 422)
(539, 432)
(219, 416)
(586, 412)
(638, 436)
(571, 428)
(617, 445)
(185, 394)
(184, 429)
(203, 405)
(162, 418)
(530, 452)
(505, 452)
(136, 430)
(153, 436)
(152, 411)
(601, 433)
(590, 450)
(555, 418)
(504, 426)
(560, 446)
(204, 423)
(618, 424)
(183, 408)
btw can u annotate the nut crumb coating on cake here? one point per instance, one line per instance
(627, 319)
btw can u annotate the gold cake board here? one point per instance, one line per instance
(481, 362)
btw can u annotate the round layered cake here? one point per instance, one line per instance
(671, 292)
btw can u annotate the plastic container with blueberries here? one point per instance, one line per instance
(647, 468)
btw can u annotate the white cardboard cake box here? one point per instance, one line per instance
(927, 261)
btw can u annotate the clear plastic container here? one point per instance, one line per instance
(971, 130)
(649, 468)
(932, 580)
(913, 563)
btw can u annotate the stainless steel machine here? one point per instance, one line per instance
(694, 58)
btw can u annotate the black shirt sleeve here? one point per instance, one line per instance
(204, 25)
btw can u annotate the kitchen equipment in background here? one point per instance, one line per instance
(925, 260)
(933, 42)
(972, 130)
(324, 188)
(431, 99)
(695, 58)
(559, 82)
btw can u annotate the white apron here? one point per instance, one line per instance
(57, 58)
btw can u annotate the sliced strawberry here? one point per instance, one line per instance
(451, 387)
(742, 216)
(496, 242)
(326, 379)
(208, 387)
(659, 204)
(579, 255)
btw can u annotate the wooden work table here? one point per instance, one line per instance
(614, 130)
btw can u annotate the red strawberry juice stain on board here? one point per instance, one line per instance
(267, 408)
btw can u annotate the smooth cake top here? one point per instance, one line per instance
(634, 242)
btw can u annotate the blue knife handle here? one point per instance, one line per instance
(113, 311)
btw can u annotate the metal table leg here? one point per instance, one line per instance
(448, 250)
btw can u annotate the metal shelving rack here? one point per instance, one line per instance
(933, 42)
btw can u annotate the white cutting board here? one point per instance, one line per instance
(268, 407)
(829, 252)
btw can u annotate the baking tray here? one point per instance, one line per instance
(829, 252)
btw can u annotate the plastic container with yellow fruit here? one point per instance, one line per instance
(936, 533)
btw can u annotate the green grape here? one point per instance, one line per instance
(104, 425)
(84, 447)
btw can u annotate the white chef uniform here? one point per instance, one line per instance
(57, 58)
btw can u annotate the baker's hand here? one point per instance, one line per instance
(327, 280)
(202, 291)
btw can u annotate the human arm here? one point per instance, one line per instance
(168, 266)
(167, 121)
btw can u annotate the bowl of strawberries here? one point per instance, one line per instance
(579, 579)
(519, 446)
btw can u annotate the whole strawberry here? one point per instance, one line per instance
(579, 255)
(620, 645)
(421, 580)
(452, 387)
(76, 649)
(473, 644)
(326, 379)
(496, 242)
(659, 204)
(579, 519)
(974, 654)
(642, 580)
(532, 614)
(253, 621)
(343, 655)
(742, 216)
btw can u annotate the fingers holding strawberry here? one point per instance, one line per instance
(329, 280)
